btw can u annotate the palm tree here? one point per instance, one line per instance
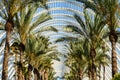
(14, 49)
(45, 64)
(38, 55)
(102, 59)
(110, 10)
(18, 49)
(51, 74)
(76, 59)
(25, 24)
(8, 10)
(92, 30)
(34, 51)
(79, 62)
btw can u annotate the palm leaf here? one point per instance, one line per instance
(82, 24)
(74, 29)
(2, 26)
(29, 15)
(48, 28)
(68, 38)
(2, 15)
(42, 18)
(17, 21)
(2, 42)
(90, 4)
(22, 15)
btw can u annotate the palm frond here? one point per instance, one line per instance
(90, 4)
(2, 15)
(48, 28)
(71, 28)
(29, 15)
(65, 39)
(82, 25)
(2, 42)
(42, 18)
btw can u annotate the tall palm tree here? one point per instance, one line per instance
(77, 59)
(8, 10)
(79, 62)
(17, 49)
(14, 49)
(39, 55)
(25, 22)
(102, 60)
(110, 10)
(35, 48)
(92, 30)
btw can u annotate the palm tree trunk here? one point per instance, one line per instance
(93, 71)
(16, 68)
(46, 74)
(89, 76)
(81, 75)
(89, 71)
(5, 60)
(99, 72)
(8, 28)
(113, 39)
(37, 74)
(29, 72)
(40, 72)
(20, 75)
(103, 72)
(43, 74)
(36, 78)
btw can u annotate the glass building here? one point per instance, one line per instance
(62, 12)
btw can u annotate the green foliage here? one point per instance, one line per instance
(116, 77)
(77, 59)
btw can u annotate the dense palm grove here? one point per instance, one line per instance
(87, 53)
